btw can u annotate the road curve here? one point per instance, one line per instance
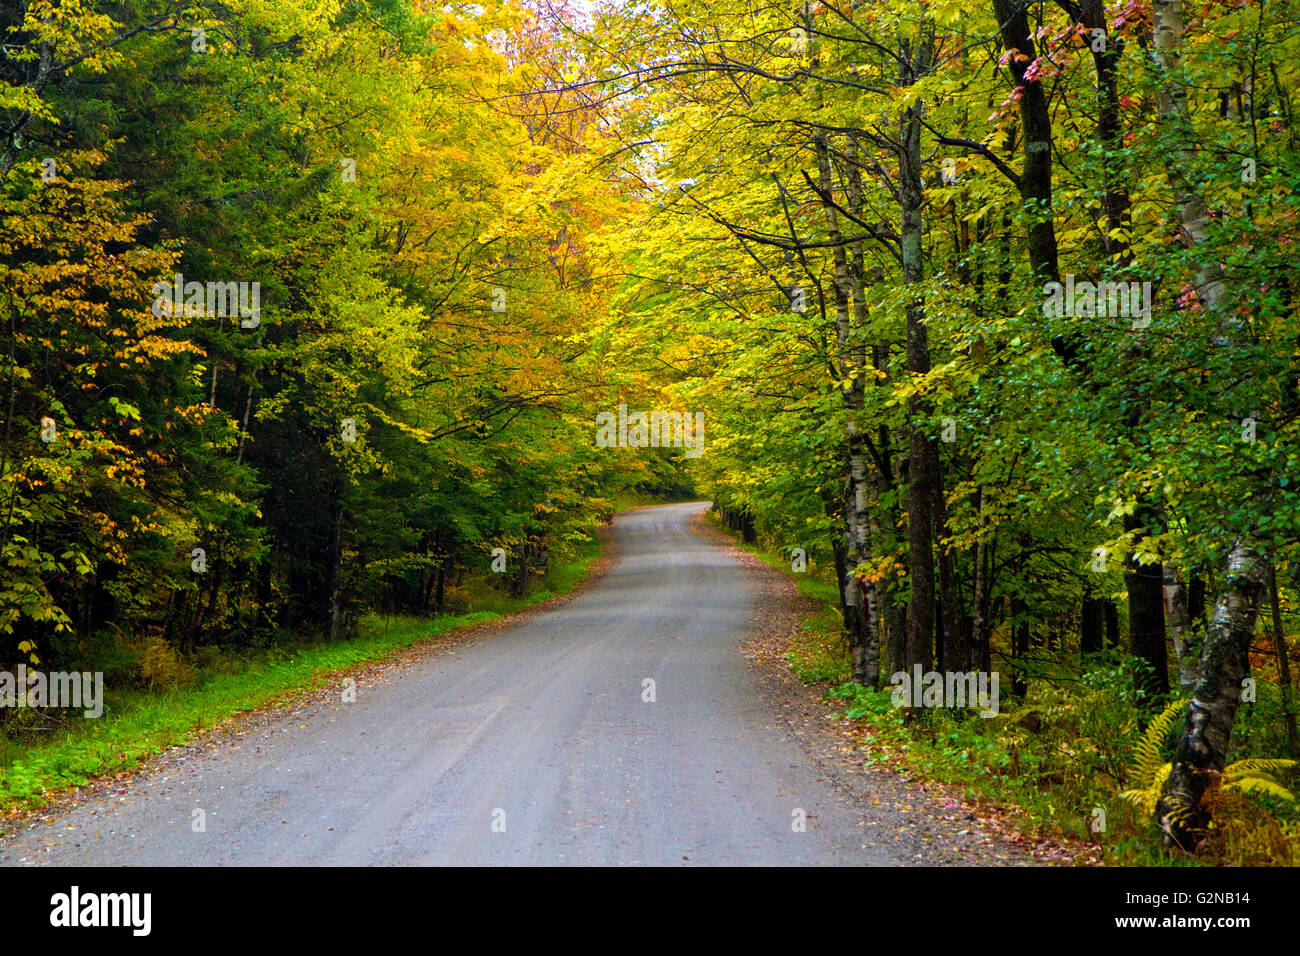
(533, 745)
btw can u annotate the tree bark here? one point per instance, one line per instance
(1112, 624)
(1172, 114)
(956, 653)
(1146, 612)
(1283, 666)
(1115, 198)
(1210, 714)
(1187, 643)
(855, 352)
(920, 518)
(1036, 180)
(1019, 645)
(1203, 747)
(1090, 625)
(860, 617)
(979, 642)
(336, 564)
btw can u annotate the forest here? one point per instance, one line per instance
(314, 311)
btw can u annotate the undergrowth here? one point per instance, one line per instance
(1065, 752)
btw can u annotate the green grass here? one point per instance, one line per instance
(140, 723)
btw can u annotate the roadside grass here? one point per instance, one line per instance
(66, 751)
(1059, 755)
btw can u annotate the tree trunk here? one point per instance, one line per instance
(920, 518)
(1187, 643)
(243, 430)
(1146, 613)
(1207, 729)
(1115, 197)
(863, 636)
(979, 649)
(839, 550)
(336, 564)
(1090, 625)
(747, 532)
(1036, 180)
(853, 350)
(895, 615)
(521, 574)
(1283, 666)
(956, 653)
(1019, 645)
(1172, 114)
(1210, 714)
(1112, 623)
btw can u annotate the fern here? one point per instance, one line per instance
(1148, 759)
(1145, 798)
(1260, 785)
(1265, 767)
(1256, 776)
(1150, 770)
(1245, 827)
(1243, 831)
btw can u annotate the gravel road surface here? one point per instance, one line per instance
(538, 744)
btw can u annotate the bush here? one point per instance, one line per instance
(455, 600)
(161, 665)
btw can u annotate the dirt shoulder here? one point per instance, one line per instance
(932, 821)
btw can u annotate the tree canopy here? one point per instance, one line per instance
(989, 308)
